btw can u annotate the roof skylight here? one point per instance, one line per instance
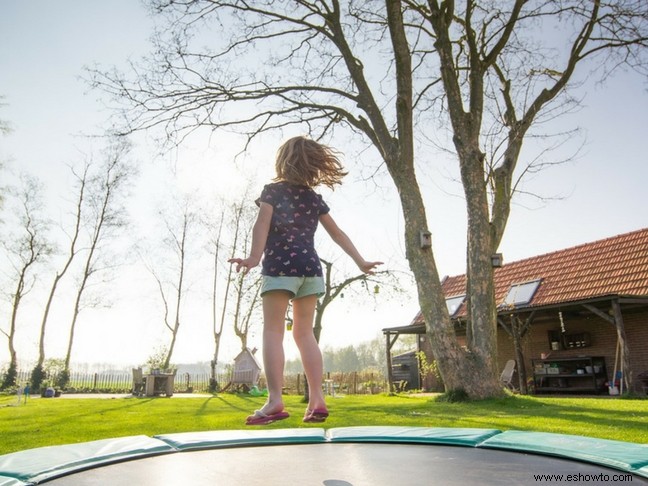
(454, 303)
(521, 293)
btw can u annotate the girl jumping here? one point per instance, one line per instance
(284, 234)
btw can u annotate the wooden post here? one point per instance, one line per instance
(617, 321)
(625, 352)
(389, 345)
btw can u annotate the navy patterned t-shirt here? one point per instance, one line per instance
(290, 248)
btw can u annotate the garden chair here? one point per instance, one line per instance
(506, 378)
(139, 385)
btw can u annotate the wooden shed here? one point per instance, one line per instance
(247, 369)
(405, 371)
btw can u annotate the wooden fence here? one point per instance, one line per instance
(122, 382)
(350, 383)
(356, 382)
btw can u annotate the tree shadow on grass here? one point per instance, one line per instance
(586, 416)
(230, 400)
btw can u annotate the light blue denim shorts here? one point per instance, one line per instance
(297, 286)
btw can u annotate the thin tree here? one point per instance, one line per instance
(217, 324)
(73, 249)
(385, 71)
(245, 294)
(245, 307)
(179, 235)
(335, 289)
(246, 291)
(24, 250)
(5, 126)
(5, 129)
(107, 218)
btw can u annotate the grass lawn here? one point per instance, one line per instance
(43, 422)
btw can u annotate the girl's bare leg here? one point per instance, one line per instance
(275, 304)
(311, 355)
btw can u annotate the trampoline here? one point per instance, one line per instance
(350, 456)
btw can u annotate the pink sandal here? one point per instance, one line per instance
(316, 416)
(261, 418)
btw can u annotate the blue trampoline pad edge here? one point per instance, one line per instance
(215, 439)
(624, 456)
(35, 466)
(7, 481)
(412, 435)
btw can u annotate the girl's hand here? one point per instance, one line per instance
(243, 263)
(368, 267)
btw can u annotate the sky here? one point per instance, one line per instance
(44, 47)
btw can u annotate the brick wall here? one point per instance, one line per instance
(602, 335)
(603, 339)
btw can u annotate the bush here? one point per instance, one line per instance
(454, 396)
(62, 379)
(38, 375)
(9, 378)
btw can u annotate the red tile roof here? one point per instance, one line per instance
(613, 266)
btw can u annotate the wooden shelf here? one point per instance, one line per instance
(567, 379)
(558, 341)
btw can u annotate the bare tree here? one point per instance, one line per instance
(246, 306)
(24, 250)
(5, 129)
(246, 291)
(218, 319)
(485, 69)
(172, 293)
(217, 324)
(5, 126)
(233, 233)
(107, 218)
(73, 249)
(335, 289)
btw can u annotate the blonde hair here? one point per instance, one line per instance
(305, 162)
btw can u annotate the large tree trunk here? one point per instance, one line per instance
(482, 313)
(474, 370)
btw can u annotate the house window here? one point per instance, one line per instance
(521, 293)
(454, 303)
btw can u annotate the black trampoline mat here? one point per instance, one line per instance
(348, 464)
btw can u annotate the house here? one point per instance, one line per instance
(575, 320)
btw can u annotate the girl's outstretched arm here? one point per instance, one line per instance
(259, 237)
(344, 242)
